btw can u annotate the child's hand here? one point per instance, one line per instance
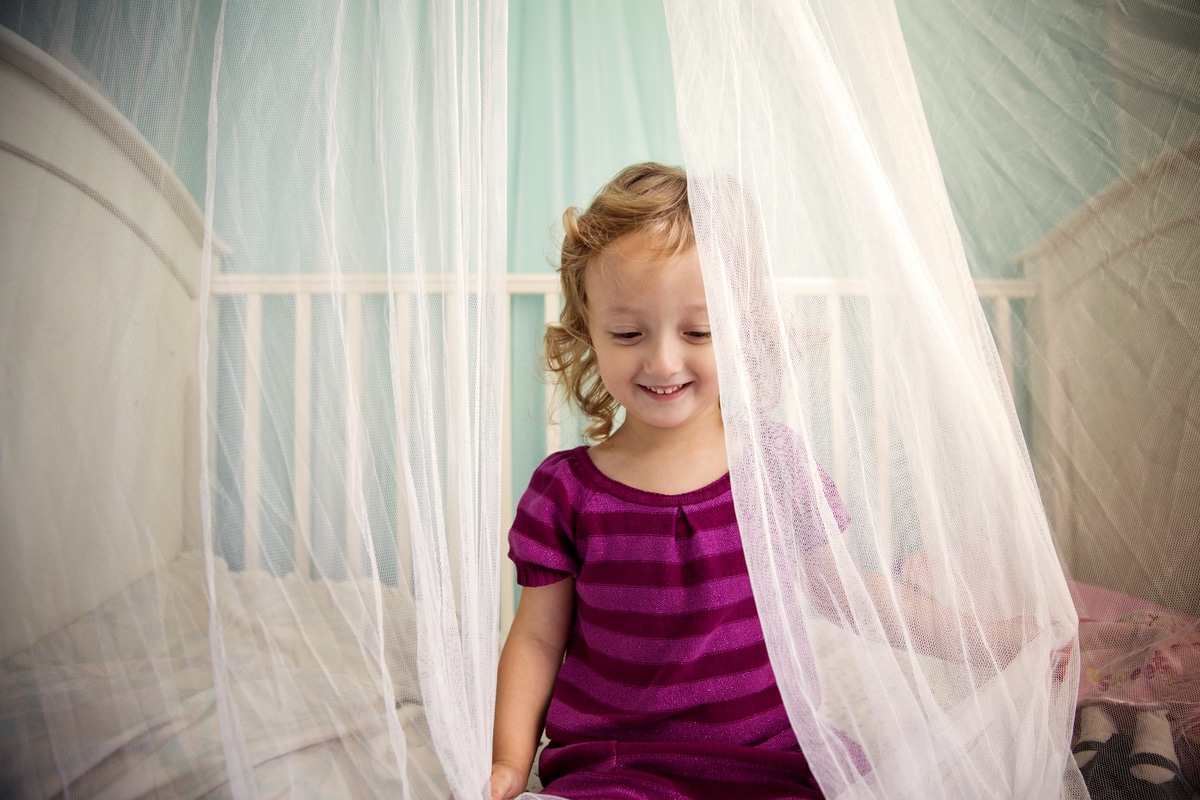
(507, 781)
(1061, 661)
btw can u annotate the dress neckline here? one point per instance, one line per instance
(590, 473)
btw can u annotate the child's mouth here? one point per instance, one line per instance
(665, 391)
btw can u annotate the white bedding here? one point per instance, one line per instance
(846, 704)
(128, 692)
(121, 703)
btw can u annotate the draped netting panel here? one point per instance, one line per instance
(1069, 138)
(850, 338)
(251, 317)
(254, 318)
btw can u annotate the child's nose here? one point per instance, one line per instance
(664, 359)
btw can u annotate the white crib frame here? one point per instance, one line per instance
(1001, 293)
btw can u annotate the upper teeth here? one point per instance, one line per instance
(665, 389)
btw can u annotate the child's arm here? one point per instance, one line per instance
(913, 619)
(529, 664)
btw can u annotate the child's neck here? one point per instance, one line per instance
(665, 461)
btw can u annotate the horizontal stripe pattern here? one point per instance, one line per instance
(666, 644)
(671, 600)
(752, 721)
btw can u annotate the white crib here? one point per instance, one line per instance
(1000, 294)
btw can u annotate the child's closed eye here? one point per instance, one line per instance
(698, 336)
(626, 336)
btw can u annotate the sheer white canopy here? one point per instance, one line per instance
(256, 412)
(825, 176)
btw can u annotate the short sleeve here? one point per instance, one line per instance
(806, 514)
(787, 449)
(541, 542)
(840, 515)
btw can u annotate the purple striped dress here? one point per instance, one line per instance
(666, 690)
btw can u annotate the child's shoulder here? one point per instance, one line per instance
(563, 466)
(560, 482)
(561, 458)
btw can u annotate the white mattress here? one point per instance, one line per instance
(122, 703)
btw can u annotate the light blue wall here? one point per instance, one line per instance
(1018, 97)
(1019, 101)
(590, 92)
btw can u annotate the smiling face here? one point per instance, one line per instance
(648, 321)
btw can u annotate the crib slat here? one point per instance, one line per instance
(251, 427)
(402, 380)
(883, 470)
(508, 576)
(356, 526)
(837, 389)
(301, 439)
(457, 433)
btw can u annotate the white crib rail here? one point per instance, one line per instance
(999, 293)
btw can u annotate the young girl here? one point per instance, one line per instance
(636, 642)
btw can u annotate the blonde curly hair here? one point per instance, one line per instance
(647, 199)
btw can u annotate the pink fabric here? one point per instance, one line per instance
(1138, 656)
(1145, 659)
(1097, 603)
(1134, 654)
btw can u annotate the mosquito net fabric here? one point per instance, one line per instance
(252, 413)
(253, 323)
(811, 166)
(930, 649)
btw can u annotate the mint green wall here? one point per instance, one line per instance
(1019, 101)
(1018, 97)
(590, 91)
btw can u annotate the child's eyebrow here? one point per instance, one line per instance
(617, 310)
(695, 308)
